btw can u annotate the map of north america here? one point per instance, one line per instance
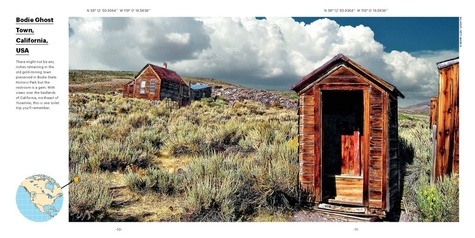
(43, 192)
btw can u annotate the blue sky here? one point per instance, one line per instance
(410, 34)
(270, 53)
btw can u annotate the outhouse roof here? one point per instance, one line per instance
(336, 61)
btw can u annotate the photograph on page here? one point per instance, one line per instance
(263, 119)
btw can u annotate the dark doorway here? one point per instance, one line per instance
(342, 123)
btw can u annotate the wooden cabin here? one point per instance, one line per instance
(348, 139)
(444, 120)
(157, 83)
(199, 91)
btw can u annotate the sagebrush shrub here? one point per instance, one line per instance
(89, 199)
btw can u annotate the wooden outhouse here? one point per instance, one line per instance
(157, 83)
(348, 139)
(444, 120)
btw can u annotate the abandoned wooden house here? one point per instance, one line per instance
(348, 139)
(157, 83)
(444, 120)
(199, 91)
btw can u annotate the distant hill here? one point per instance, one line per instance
(111, 82)
(419, 108)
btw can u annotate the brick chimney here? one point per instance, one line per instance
(165, 65)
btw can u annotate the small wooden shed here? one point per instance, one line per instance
(444, 120)
(157, 83)
(348, 139)
(199, 91)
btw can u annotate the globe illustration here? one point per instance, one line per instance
(39, 198)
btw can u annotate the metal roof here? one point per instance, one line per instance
(199, 86)
(447, 63)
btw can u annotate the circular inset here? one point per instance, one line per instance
(39, 198)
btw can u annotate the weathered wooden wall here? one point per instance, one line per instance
(433, 111)
(447, 121)
(128, 91)
(175, 91)
(377, 148)
(309, 174)
(147, 75)
(198, 94)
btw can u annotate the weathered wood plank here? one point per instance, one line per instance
(375, 94)
(375, 164)
(318, 144)
(433, 111)
(307, 129)
(376, 123)
(306, 110)
(307, 120)
(307, 168)
(307, 138)
(343, 86)
(350, 154)
(346, 153)
(376, 116)
(375, 150)
(375, 141)
(376, 132)
(357, 159)
(384, 152)
(307, 149)
(375, 203)
(307, 178)
(444, 121)
(307, 142)
(349, 189)
(375, 173)
(307, 100)
(307, 157)
(455, 99)
(375, 184)
(375, 157)
(365, 145)
(346, 72)
(375, 195)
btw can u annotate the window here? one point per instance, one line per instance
(152, 86)
(142, 87)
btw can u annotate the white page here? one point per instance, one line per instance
(35, 141)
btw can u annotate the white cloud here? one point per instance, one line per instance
(273, 53)
(181, 39)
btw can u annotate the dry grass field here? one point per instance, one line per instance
(209, 161)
